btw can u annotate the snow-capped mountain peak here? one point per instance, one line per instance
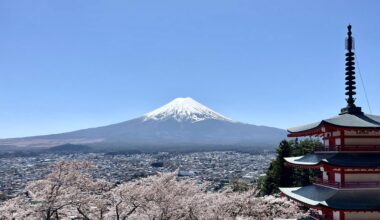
(184, 109)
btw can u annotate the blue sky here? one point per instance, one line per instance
(66, 65)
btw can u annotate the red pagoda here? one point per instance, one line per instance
(349, 160)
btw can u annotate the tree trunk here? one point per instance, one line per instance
(117, 211)
(82, 213)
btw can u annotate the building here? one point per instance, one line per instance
(349, 160)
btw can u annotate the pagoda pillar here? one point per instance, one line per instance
(341, 215)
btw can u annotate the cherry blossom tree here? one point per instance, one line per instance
(71, 192)
(60, 189)
(93, 202)
(127, 200)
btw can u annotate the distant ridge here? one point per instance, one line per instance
(182, 123)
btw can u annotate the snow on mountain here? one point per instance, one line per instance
(184, 109)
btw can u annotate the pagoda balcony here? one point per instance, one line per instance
(313, 214)
(350, 185)
(354, 148)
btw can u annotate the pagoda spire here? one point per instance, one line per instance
(350, 76)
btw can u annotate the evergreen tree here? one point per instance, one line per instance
(302, 177)
(268, 187)
(304, 147)
(279, 175)
(283, 175)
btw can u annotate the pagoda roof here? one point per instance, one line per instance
(347, 199)
(344, 120)
(367, 160)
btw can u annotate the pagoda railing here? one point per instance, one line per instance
(367, 184)
(315, 215)
(348, 148)
(320, 181)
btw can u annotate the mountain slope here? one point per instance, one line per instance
(182, 122)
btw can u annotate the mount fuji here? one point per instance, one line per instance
(182, 124)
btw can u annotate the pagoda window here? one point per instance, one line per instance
(325, 177)
(337, 177)
(336, 133)
(338, 142)
(326, 142)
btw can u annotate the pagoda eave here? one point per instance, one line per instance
(338, 160)
(326, 127)
(316, 196)
(313, 132)
(305, 166)
(338, 123)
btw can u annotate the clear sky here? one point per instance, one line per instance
(66, 65)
